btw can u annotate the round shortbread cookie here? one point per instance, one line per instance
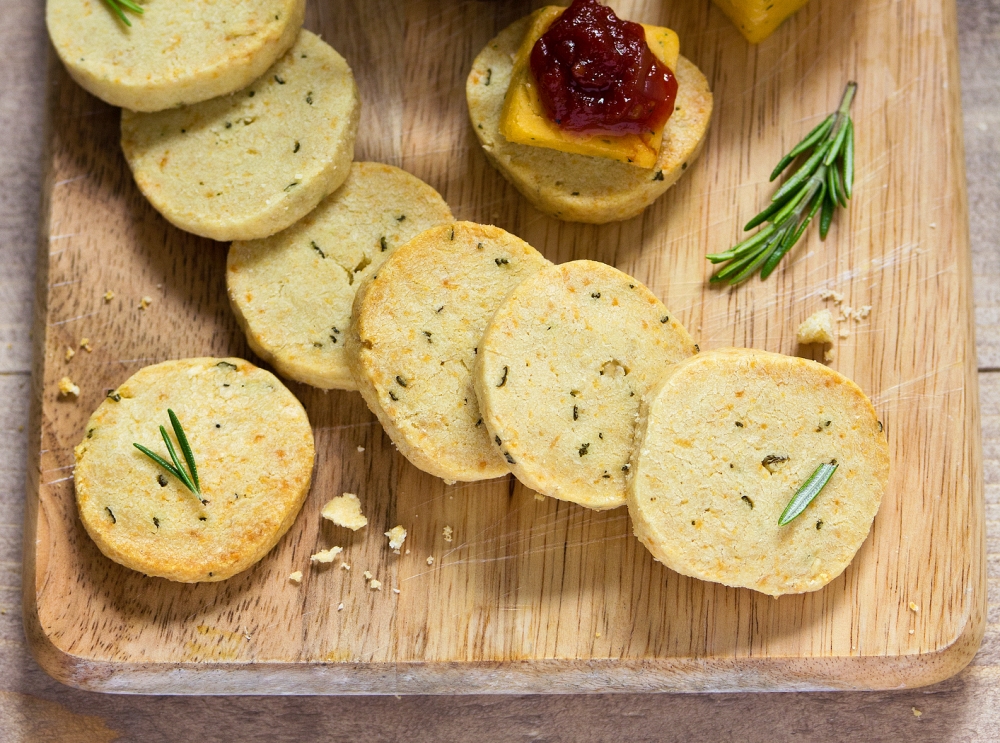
(246, 166)
(722, 447)
(414, 336)
(578, 188)
(175, 53)
(560, 372)
(253, 448)
(292, 293)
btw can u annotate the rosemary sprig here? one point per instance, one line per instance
(809, 490)
(188, 477)
(824, 181)
(117, 8)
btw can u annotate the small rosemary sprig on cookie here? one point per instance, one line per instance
(809, 490)
(118, 7)
(824, 181)
(189, 479)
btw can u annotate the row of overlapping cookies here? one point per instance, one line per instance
(481, 358)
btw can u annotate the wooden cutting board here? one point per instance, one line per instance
(536, 595)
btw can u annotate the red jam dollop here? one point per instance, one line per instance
(597, 75)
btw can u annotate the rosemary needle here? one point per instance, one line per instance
(824, 181)
(117, 8)
(809, 490)
(176, 469)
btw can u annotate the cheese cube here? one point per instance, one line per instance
(757, 19)
(524, 120)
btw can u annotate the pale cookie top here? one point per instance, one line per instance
(561, 369)
(724, 445)
(248, 165)
(414, 338)
(253, 448)
(293, 292)
(579, 188)
(177, 52)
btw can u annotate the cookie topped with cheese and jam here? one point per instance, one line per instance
(580, 144)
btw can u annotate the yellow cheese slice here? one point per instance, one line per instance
(524, 120)
(757, 19)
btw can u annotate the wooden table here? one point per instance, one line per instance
(33, 707)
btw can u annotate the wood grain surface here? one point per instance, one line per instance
(34, 707)
(535, 596)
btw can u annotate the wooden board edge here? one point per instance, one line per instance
(686, 675)
(39, 644)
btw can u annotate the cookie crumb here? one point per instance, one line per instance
(844, 333)
(340, 606)
(108, 296)
(85, 345)
(345, 566)
(296, 577)
(829, 355)
(916, 712)
(430, 560)
(70, 353)
(914, 608)
(828, 294)
(345, 510)
(326, 555)
(818, 328)
(911, 631)
(396, 536)
(145, 302)
(446, 533)
(67, 388)
(368, 575)
(539, 497)
(375, 584)
(395, 590)
(360, 449)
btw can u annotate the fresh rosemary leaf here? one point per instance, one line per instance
(826, 217)
(809, 490)
(190, 481)
(177, 463)
(160, 461)
(803, 173)
(831, 185)
(764, 216)
(185, 447)
(744, 247)
(824, 181)
(811, 138)
(849, 160)
(117, 8)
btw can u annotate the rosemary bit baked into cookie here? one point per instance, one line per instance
(723, 446)
(293, 292)
(414, 337)
(174, 53)
(252, 447)
(574, 187)
(248, 165)
(561, 370)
